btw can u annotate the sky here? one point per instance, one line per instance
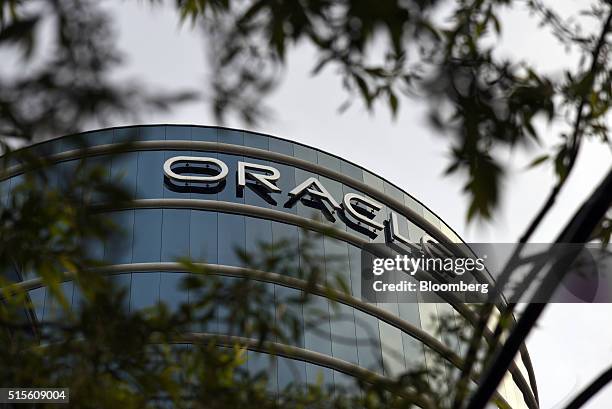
(572, 343)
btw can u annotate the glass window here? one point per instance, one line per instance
(231, 233)
(316, 375)
(151, 133)
(286, 183)
(373, 181)
(281, 146)
(171, 292)
(147, 235)
(178, 133)
(121, 135)
(343, 382)
(118, 250)
(317, 331)
(343, 334)
(199, 133)
(431, 218)
(368, 341)
(290, 372)
(289, 311)
(258, 233)
(394, 192)
(175, 234)
(203, 236)
(329, 161)
(305, 153)
(413, 204)
(123, 283)
(262, 363)
(145, 290)
(150, 179)
(286, 238)
(37, 297)
(306, 206)
(256, 141)
(351, 170)
(53, 309)
(230, 136)
(124, 168)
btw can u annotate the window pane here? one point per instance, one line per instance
(147, 235)
(231, 230)
(231, 136)
(150, 180)
(170, 291)
(175, 234)
(151, 133)
(281, 146)
(256, 141)
(203, 236)
(118, 250)
(145, 290)
(199, 133)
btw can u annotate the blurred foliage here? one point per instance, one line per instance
(444, 52)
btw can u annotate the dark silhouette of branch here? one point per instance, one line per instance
(578, 231)
(591, 390)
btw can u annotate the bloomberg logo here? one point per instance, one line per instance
(208, 175)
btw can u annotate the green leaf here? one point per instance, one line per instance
(538, 161)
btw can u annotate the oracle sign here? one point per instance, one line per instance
(357, 211)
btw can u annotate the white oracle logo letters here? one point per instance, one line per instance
(359, 211)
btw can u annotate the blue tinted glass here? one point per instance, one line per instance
(392, 346)
(204, 134)
(305, 153)
(394, 192)
(223, 310)
(203, 236)
(355, 267)
(343, 382)
(98, 137)
(170, 291)
(145, 290)
(258, 236)
(125, 134)
(290, 372)
(151, 133)
(124, 168)
(318, 375)
(316, 323)
(178, 133)
(261, 363)
(337, 266)
(289, 314)
(312, 245)
(37, 297)
(368, 345)
(175, 234)
(280, 146)
(231, 233)
(344, 345)
(286, 240)
(118, 250)
(329, 161)
(147, 235)
(351, 170)
(123, 284)
(150, 180)
(231, 136)
(53, 308)
(256, 141)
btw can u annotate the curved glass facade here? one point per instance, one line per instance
(218, 222)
